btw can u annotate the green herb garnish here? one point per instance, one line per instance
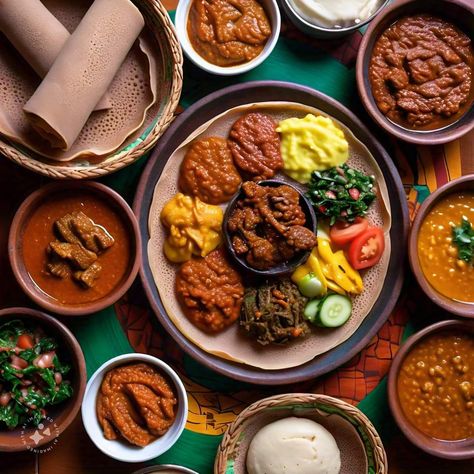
(463, 238)
(341, 193)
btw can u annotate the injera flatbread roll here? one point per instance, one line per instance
(83, 71)
(37, 35)
(232, 344)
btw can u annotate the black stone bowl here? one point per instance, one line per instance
(285, 267)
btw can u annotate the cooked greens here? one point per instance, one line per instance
(341, 193)
(463, 238)
(31, 375)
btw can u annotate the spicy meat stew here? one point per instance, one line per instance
(40, 232)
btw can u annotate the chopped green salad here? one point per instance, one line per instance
(463, 238)
(31, 375)
(341, 193)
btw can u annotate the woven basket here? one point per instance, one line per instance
(230, 443)
(159, 23)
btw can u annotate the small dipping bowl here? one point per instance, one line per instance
(165, 468)
(17, 236)
(324, 32)
(60, 416)
(283, 268)
(181, 24)
(455, 450)
(122, 450)
(457, 12)
(465, 183)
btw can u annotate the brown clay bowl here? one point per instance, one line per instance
(60, 416)
(455, 450)
(458, 12)
(17, 234)
(465, 183)
(286, 267)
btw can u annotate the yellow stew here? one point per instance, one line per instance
(439, 257)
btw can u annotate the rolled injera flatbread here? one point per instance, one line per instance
(36, 34)
(83, 70)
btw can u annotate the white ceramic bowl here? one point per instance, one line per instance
(165, 467)
(181, 20)
(121, 450)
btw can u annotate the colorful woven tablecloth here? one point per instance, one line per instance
(214, 400)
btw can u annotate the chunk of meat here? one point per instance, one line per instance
(79, 256)
(59, 269)
(63, 227)
(89, 276)
(94, 237)
(104, 416)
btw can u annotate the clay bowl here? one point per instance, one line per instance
(60, 416)
(465, 183)
(458, 12)
(15, 246)
(361, 448)
(286, 267)
(455, 450)
(318, 31)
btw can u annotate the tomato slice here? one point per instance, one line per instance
(25, 341)
(366, 249)
(342, 232)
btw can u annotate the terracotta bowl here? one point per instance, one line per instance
(455, 450)
(15, 246)
(458, 12)
(466, 183)
(59, 417)
(284, 268)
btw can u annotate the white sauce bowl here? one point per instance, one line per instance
(119, 449)
(181, 21)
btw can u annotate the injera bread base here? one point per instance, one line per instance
(133, 94)
(348, 440)
(37, 35)
(232, 344)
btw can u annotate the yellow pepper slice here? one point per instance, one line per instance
(354, 275)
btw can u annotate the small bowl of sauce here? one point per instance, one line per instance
(441, 247)
(74, 247)
(431, 389)
(227, 37)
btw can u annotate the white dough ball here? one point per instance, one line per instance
(293, 446)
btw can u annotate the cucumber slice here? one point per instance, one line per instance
(311, 310)
(334, 311)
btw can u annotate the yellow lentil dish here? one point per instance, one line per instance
(439, 259)
(436, 385)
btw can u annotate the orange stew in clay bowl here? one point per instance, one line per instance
(446, 247)
(228, 32)
(435, 385)
(76, 247)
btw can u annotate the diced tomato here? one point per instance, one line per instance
(354, 193)
(343, 232)
(366, 249)
(25, 341)
(331, 195)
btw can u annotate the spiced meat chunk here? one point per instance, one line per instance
(94, 237)
(79, 256)
(89, 276)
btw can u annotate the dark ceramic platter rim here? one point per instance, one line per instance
(260, 91)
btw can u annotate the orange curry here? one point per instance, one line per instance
(436, 385)
(40, 232)
(228, 32)
(439, 259)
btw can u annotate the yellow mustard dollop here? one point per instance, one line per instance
(194, 227)
(311, 143)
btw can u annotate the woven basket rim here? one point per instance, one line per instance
(235, 429)
(155, 14)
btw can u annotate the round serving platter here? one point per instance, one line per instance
(266, 91)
